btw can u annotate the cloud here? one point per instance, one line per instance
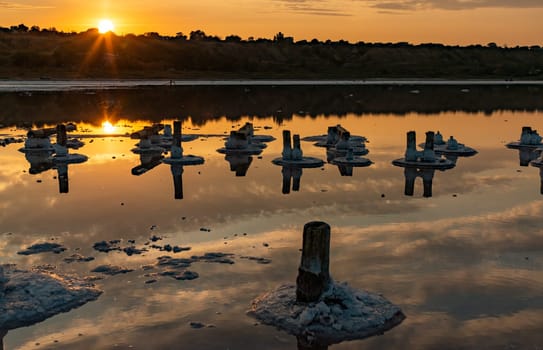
(308, 7)
(18, 6)
(407, 5)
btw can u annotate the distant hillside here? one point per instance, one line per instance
(35, 53)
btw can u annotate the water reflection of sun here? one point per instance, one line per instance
(108, 127)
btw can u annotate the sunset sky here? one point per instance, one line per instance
(505, 22)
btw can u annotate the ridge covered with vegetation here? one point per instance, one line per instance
(27, 53)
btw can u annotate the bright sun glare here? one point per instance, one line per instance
(108, 127)
(105, 25)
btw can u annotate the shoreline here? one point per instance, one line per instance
(37, 85)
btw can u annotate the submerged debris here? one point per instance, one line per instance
(155, 238)
(43, 248)
(257, 259)
(106, 247)
(111, 269)
(197, 325)
(133, 250)
(221, 258)
(78, 257)
(174, 262)
(186, 275)
(28, 297)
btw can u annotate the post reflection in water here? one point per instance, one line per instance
(527, 154)
(42, 157)
(40, 161)
(262, 213)
(177, 160)
(411, 174)
(289, 173)
(3, 333)
(239, 163)
(303, 345)
(148, 160)
(177, 174)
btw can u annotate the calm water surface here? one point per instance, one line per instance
(465, 265)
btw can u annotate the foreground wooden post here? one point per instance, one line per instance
(313, 274)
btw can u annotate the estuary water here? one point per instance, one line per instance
(464, 262)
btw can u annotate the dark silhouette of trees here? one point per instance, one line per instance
(27, 52)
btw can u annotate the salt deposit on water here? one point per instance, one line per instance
(28, 297)
(342, 313)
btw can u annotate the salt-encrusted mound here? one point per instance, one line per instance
(28, 297)
(342, 313)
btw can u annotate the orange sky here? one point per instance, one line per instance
(505, 22)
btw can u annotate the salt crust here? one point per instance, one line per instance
(28, 297)
(342, 313)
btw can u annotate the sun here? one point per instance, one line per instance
(108, 127)
(105, 25)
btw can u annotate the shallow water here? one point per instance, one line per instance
(465, 264)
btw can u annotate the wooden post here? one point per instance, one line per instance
(176, 149)
(147, 131)
(62, 138)
(428, 153)
(46, 132)
(287, 148)
(297, 153)
(411, 149)
(313, 274)
(177, 133)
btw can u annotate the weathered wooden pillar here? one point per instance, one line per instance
(313, 273)
(176, 149)
(287, 148)
(297, 153)
(62, 138)
(411, 148)
(177, 133)
(428, 153)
